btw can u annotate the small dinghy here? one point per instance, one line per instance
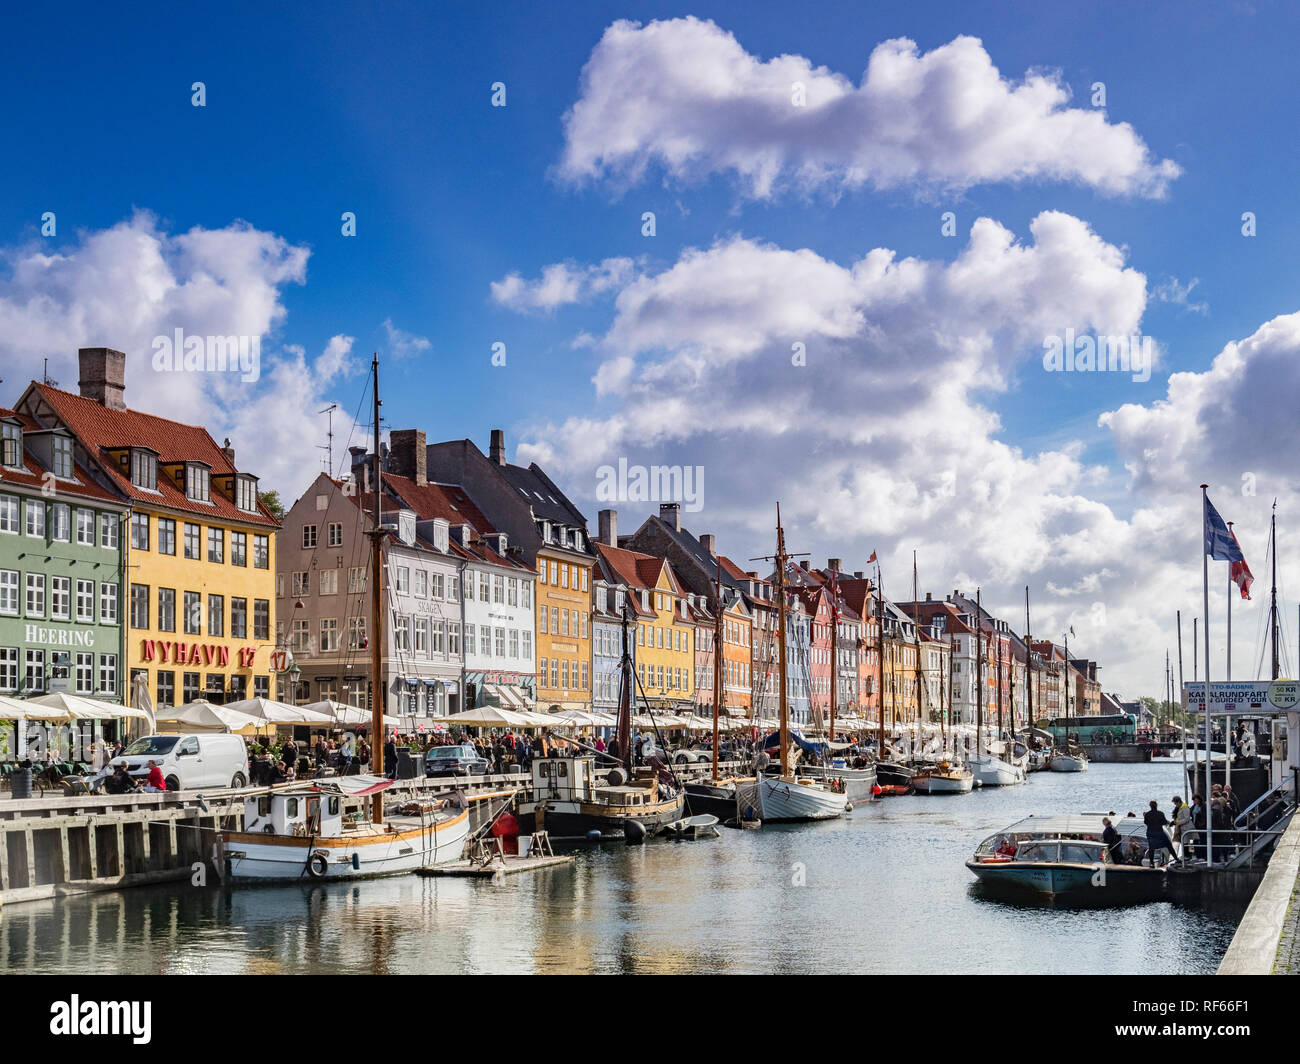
(703, 826)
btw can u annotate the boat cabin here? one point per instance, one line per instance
(566, 779)
(304, 813)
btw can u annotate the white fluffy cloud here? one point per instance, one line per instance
(124, 286)
(561, 284)
(684, 95)
(888, 440)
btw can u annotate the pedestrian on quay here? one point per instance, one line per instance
(1157, 837)
(1182, 819)
(390, 758)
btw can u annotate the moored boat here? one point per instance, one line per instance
(305, 834)
(946, 777)
(1063, 761)
(991, 771)
(783, 799)
(567, 803)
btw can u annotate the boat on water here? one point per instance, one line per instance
(1064, 857)
(992, 771)
(703, 826)
(945, 777)
(567, 802)
(1038, 760)
(857, 785)
(784, 797)
(307, 834)
(1064, 761)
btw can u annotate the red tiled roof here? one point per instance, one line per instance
(99, 428)
(33, 473)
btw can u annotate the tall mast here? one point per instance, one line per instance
(916, 624)
(627, 677)
(1272, 609)
(835, 648)
(880, 658)
(998, 636)
(1066, 673)
(717, 664)
(780, 635)
(378, 689)
(1029, 663)
(951, 653)
(979, 672)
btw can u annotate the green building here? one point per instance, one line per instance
(61, 575)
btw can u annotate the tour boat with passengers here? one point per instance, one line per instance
(1064, 857)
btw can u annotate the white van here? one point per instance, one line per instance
(190, 760)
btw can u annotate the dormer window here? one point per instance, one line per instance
(11, 445)
(546, 531)
(198, 487)
(62, 457)
(144, 469)
(246, 493)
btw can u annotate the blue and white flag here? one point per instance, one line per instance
(1220, 544)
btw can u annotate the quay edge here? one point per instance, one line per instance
(1255, 947)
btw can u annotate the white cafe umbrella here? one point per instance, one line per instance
(19, 709)
(490, 717)
(208, 716)
(348, 716)
(272, 712)
(87, 708)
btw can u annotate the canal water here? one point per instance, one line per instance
(883, 891)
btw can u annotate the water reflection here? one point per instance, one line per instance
(885, 890)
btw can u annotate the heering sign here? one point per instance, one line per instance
(59, 637)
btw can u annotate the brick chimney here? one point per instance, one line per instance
(833, 564)
(708, 543)
(362, 464)
(670, 513)
(228, 451)
(608, 525)
(410, 457)
(103, 376)
(497, 449)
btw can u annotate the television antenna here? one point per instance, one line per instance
(328, 447)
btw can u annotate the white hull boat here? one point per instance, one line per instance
(994, 772)
(786, 800)
(302, 835)
(1068, 763)
(944, 779)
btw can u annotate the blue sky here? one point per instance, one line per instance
(313, 110)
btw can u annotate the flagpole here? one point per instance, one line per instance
(1205, 606)
(1182, 701)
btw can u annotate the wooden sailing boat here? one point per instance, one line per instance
(784, 797)
(306, 832)
(569, 802)
(1065, 759)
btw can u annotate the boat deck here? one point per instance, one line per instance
(509, 865)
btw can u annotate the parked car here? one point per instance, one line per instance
(692, 757)
(190, 760)
(462, 760)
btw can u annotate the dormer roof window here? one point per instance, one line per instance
(11, 445)
(144, 468)
(198, 482)
(246, 493)
(62, 456)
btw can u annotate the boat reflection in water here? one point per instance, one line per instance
(1063, 858)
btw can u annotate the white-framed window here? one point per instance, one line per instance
(193, 619)
(308, 536)
(435, 585)
(86, 601)
(329, 581)
(85, 527)
(246, 494)
(9, 592)
(217, 615)
(301, 584)
(301, 637)
(9, 514)
(335, 538)
(8, 669)
(261, 552)
(35, 595)
(498, 589)
(356, 580)
(564, 582)
(34, 680)
(198, 482)
(422, 636)
(11, 445)
(107, 673)
(356, 633)
(35, 511)
(453, 638)
(526, 648)
(470, 642)
(144, 470)
(584, 588)
(525, 594)
(484, 588)
(85, 673)
(108, 531)
(216, 545)
(63, 457)
(421, 589)
(499, 642)
(329, 634)
(402, 633)
(239, 548)
(107, 603)
(514, 642)
(402, 582)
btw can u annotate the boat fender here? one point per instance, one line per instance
(593, 835)
(317, 865)
(633, 832)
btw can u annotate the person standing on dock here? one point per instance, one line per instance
(1182, 819)
(1157, 837)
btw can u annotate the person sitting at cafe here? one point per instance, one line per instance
(120, 782)
(154, 778)
(284, 772)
